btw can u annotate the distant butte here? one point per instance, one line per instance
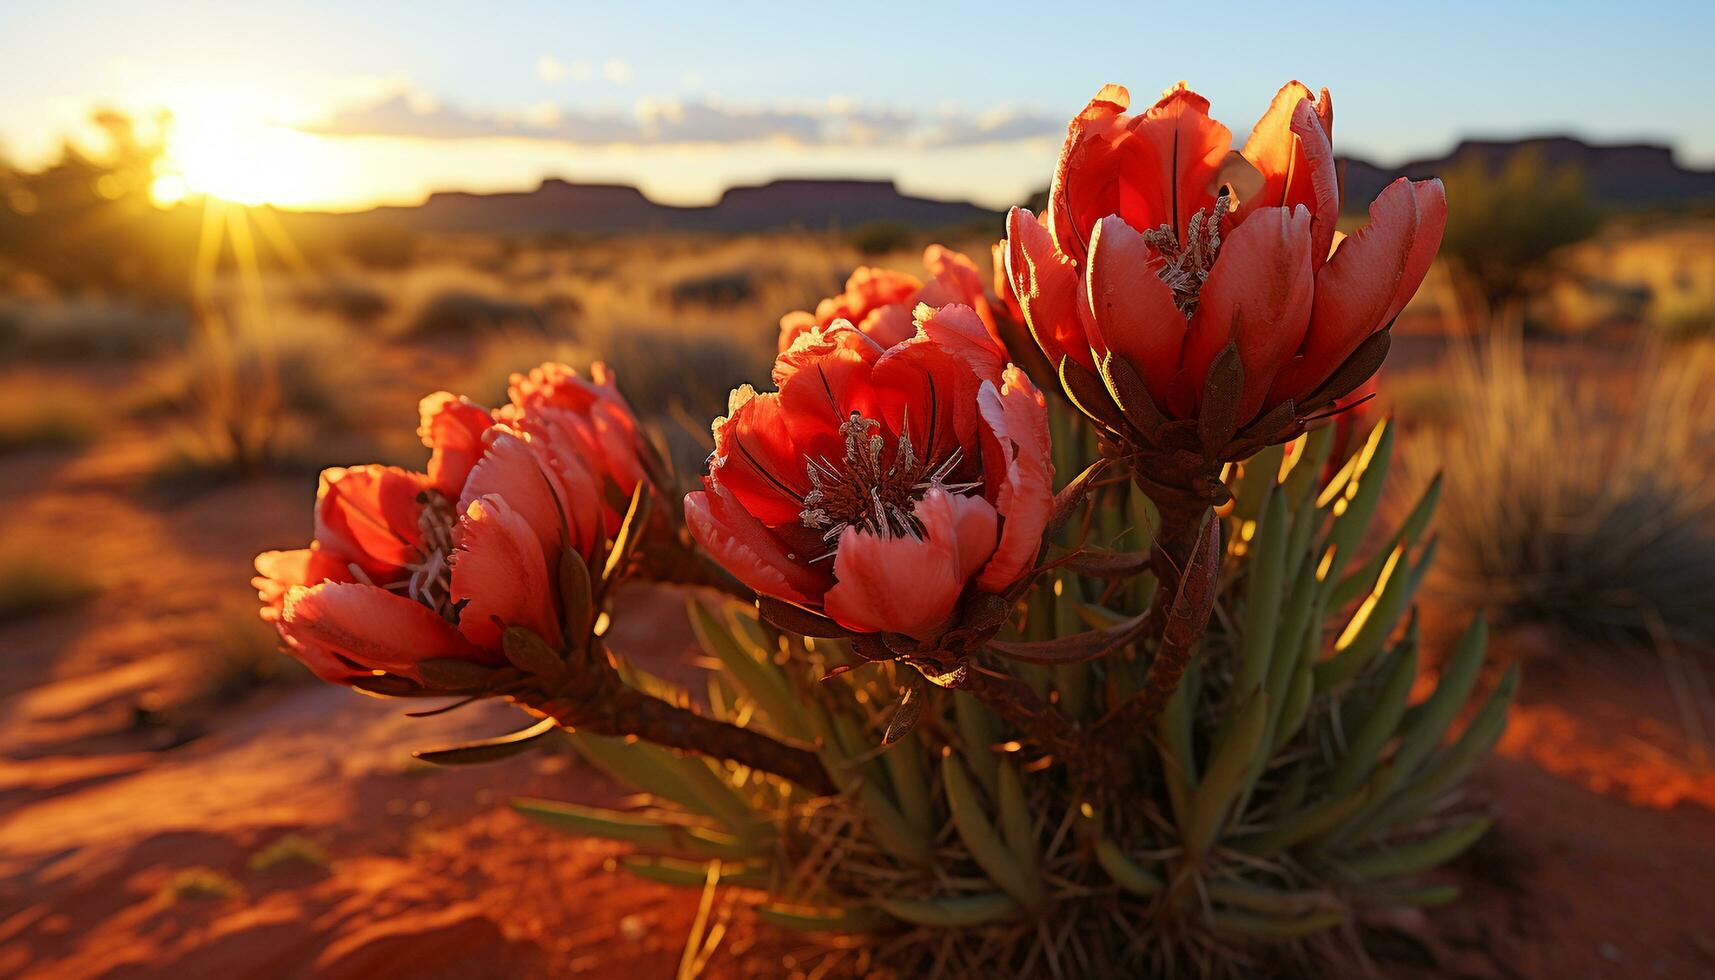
(1619, 176)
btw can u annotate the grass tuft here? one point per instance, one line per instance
(1575, 501)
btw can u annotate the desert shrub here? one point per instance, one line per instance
(349, 299)
(1503, 226)
(721, 289)
(34, 582)
(43, 413)
(455, 302)
(881, 237)
(253, 394)
(198, 884)
(663, 371)
(287, 850)
(1585, 509)
(87, 329)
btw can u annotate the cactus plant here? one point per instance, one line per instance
(1287, 785)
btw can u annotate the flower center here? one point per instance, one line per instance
(866, 491)
(1185, 265)
(430, 577)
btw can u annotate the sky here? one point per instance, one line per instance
(343, 105)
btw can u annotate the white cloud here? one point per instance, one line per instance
(697, 121)
(616, 71)
(549, 69)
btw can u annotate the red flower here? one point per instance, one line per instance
(409, 566)
(1163, 250)
(882, 302)
(878, 485)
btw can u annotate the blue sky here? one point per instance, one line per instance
(386, 100)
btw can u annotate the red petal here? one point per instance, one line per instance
(501, 574)
(374, 628)
(1431, 222)
(1259, 297)
(953, 278)
(903, 585)
(1089, 127)
(1018, 416)
(452, 427)
(514, 470)
(1170, 170)
(1354, 290)
(368, 515)
(1048, 289)
(1132, 309)
(1324, 180)
(746, 547)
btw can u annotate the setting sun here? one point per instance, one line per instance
(221, 148)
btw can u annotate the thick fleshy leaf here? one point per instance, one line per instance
(1075, 649)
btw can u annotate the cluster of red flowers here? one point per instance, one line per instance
(410, 566)
(1193, 300)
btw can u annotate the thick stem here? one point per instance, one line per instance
(629, 712)
(1020, 706)
(1187, 568)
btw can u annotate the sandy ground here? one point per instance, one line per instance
(114, 799)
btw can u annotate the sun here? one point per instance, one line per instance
(217, 146)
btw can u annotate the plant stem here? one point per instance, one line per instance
(626, 711)
(1187, 567)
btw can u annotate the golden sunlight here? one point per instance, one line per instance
(218, 147)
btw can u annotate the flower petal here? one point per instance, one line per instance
(747, 548)
(1018, 415)
(1258, 297)
(1318, 151)
(1354, 290)
(903, 585)
(1132, 310)
(452, 427)
(1048, 289)
(500, 574)
(373, 628)
(278, 572)
(1431, 222)
(368, 515)
(514, 470)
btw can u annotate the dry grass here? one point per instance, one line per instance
(253, 396)
(1577, 503)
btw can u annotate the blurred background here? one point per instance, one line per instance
(237, 245)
